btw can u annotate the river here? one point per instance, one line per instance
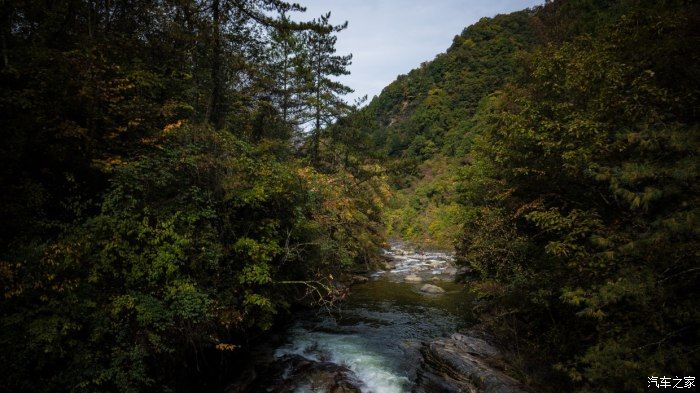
(370, 343)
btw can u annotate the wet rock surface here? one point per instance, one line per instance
(412, 278)
(375, 341)
(294, 373)
(432, 289)
(462, 363)
(357, 279)
(405, 264)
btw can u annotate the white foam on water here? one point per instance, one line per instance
(373, 368)
(349, 351)
(429, 263)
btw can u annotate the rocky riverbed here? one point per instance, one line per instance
(394, 333)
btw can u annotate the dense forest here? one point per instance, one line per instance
(159, 205)
(181, 176)
(424, 122)
(557, 148)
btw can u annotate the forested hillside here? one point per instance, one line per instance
(581, 202)
(181, 177)
(423, 122)
(562, 143)
(159, 206)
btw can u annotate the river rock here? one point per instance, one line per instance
(358, 279)
(292, 373)
(465, 271)
(430, 288)
(412, 278)
(435, 263)
(461, 363)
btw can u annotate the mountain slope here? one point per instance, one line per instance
(425, 112)
(563, 150)
(422, 123)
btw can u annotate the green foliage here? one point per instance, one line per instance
(431, 104)
(155, 217)
(427, 214)
(422, 122)
(321, 65)
(192, 246)
(581, 205)
(569, 135)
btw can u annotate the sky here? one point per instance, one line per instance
(391, 37)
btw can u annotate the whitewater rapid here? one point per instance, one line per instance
(377, 332)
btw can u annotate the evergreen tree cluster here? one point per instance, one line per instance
(421, 124)
(581, 202)
(557, 148)
(160, 208)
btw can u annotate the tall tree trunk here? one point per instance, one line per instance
(285, 86)
(5, 15)
(213, 114)
(317, 130)
(317, 135)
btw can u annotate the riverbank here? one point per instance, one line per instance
(381, 339)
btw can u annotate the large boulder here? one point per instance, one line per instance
(432, 289)
(412, 278)
(461, 363)
(292, 373)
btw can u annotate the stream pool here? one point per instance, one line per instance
(375, 334)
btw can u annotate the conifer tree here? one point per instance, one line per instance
(324, 94)
(285, 71)
(141, 236)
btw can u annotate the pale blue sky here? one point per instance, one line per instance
(391, 37)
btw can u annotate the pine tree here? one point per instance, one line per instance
(286, 47)
(323, 94)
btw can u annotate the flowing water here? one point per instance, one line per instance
(377, 331)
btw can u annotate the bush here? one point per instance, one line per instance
(200, 243)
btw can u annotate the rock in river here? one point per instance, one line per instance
(462, 363)
(293, 373)
(358, 279)
(430, 288)
(412, 278)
